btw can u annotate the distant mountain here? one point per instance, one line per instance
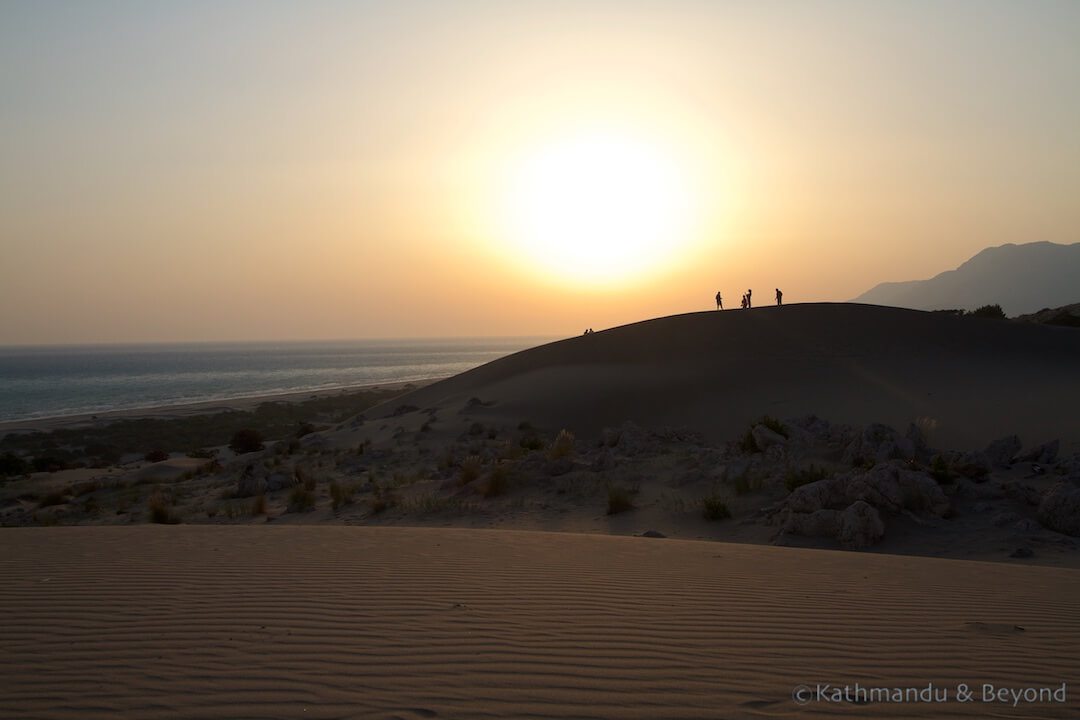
(1021, 279)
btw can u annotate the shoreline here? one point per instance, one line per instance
(206, 407)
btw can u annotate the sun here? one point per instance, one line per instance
(597, 208)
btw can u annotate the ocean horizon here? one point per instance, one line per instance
(47, 381)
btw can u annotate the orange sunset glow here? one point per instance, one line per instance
(286, 170)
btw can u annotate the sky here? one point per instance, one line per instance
(224, 170)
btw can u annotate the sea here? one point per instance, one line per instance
(59, 381)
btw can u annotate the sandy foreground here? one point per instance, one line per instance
(393, 622)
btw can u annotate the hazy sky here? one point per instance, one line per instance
(264, 170)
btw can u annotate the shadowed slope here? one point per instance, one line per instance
(716, 371)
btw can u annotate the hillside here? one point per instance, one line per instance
(715, 372)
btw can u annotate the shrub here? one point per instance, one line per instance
(805, 476)
(380, 501)
(940, 471)
(11, 465)
(989, 311)
(497, 481)
(245, 441)
(714, 508)
(748, 445)
(340, 495)
(258, 505)
(301, 499)
(563, 445)
(620, 499)
(53, 497)
(305, 478)
(160, 512)
(532, 442)
(155, 456)
(303, 427)
(470, 469)
(746, 483)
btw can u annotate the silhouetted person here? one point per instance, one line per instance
(779, 297)
(748, 294)
(719, 301)
(743, 301)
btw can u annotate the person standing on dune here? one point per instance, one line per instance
(779, 297)
(719, 301)
(748, 294)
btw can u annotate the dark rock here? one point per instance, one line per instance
(765, 437)
(653, 534)
(974, 465)
(878, 443)
(1044, 454)
(1022, 552)
(1021, 492)
(1001, 452)
(558, 466)
(1060, 509)
(1004, 519)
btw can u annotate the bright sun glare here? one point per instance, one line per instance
(598, 208)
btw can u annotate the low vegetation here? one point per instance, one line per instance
(563, 446)
(161, 511)
(620, 499)
(714, 508)
(301, 499)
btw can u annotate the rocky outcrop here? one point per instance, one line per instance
(857, 526)
(878, 443)
(848, 507)
(1060, 509)
(889, 487)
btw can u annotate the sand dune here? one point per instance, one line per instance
(716, 371)
(335, 622)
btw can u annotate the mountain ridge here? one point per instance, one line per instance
(1022, 279)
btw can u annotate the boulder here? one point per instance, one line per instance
(856, 527)
(1060, 509)
(1044, 454)
(1022, 492)
(974, 465)
(1001, 452)
(820, 523)
(922, 493)
(766, 437)
(819, 495)
(860, 526)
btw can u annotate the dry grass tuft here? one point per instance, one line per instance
(563, 446)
